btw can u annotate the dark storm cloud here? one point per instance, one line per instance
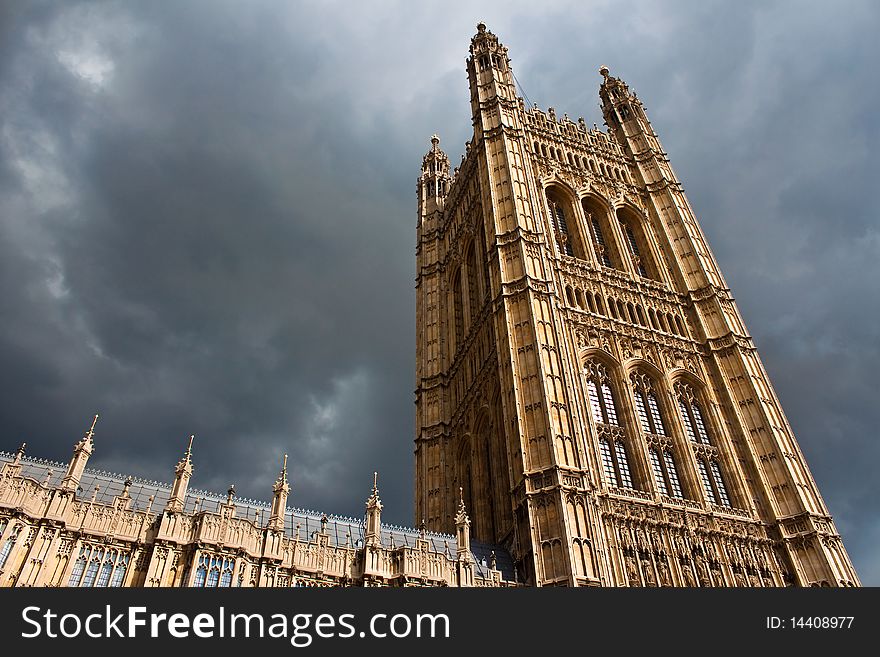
(208, 217)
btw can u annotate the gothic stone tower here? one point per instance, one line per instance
(583, 374)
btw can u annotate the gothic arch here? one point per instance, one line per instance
(473, 281)
(635, 364)
(680, 374)
(703, 431)
(597, 215)
(464, 468)
(638, 245)
(600, 354)
(456, 317)
(565, 224)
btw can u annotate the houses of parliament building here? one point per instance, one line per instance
(590, 408)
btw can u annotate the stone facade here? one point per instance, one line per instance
(583, 372)
(65, 525)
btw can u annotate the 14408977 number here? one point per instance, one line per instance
(810, 622)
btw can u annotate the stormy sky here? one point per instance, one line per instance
(207, 219)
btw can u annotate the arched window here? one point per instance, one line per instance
(665, 472)
(646, 405)
(213, 573)
(119, 571)
(106, 571)
(8, 545)
(481, 253)
(226, 575)
(691, 414)
(660, 447)
(602, 400)
(560, 225)
(634, 249)
(691, 411)
(601, 233)
(615, 463)
(564, 224)
(713, 483)
(79, 566)
(472, 281)
(636, 242)
(599, 242)
(201, 571)
(92, 570)
(591, 301)
(613, 451)
(457, 310)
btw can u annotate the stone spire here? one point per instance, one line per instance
(182, 474)
(435, 180)
(463, 529)
(372, 535)
(19, 454)
(81, 453)
(279, 501)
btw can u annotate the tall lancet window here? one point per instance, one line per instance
(691, 414)
(458, 310)
(601, 233)
(635, 238)
(560, 226)
(612, 439)
(564, 224)
(634, 249)
(474, 298)
(713, 483)
(599, 242)
(660, 447)
(8, 545)
(691, 411)
(646, 404)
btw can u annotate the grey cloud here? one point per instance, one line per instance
(208, 219)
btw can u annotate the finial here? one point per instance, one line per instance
(284, 465)
(603, 71)
(190, 446)
(94, 422)
(481, 27)
(461, 495)
(20, 453)
(375, 483)
(435, 139)
(126, 485)
(230, 493)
